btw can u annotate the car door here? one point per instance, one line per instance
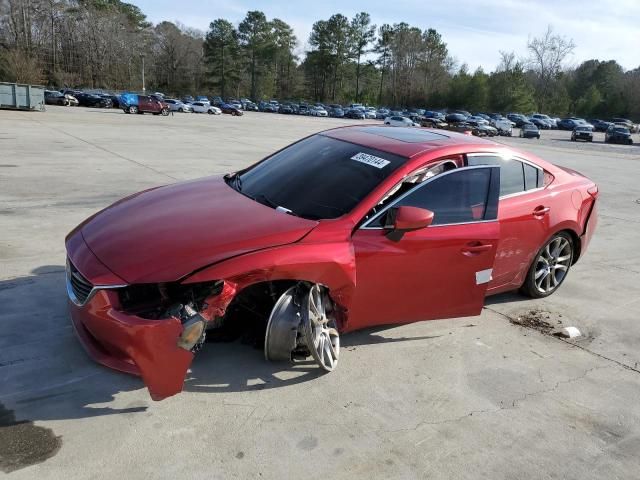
(523, 213)
(437, 272)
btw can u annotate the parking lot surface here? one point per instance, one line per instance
(474, 397)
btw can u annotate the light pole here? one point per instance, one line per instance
(144, 90)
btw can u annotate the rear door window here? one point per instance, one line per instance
(515, 176)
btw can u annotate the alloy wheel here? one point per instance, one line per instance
(320, 330)
(552, 265)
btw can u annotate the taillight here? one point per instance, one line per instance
(593, 191)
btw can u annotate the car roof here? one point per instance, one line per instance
(404, 141)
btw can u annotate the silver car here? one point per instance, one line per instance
(178, 105)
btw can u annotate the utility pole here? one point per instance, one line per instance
(144, 90)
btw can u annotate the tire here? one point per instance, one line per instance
(133, 109)
(559, 250)
(181, 110)
(164, 112)
(210, 112)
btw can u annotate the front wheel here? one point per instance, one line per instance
(550, 267)
(133, 109)
(165, 112)
(210, 112)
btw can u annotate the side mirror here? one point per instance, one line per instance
(406, 219)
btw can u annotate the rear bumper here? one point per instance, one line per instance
(131, 344)
(590, 227)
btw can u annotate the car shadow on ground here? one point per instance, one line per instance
(507, 297)
(46, 375)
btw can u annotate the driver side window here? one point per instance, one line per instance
(459, 196)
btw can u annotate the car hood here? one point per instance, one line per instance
(163, 234)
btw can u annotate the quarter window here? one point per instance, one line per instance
(515, 176)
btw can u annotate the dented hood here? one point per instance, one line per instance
(163, 234)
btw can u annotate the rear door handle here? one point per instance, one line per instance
(541, 211)
(475, 248)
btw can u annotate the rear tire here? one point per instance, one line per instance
(550, 267)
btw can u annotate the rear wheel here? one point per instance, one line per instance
(550, 267)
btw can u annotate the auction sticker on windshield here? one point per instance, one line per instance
(370, 160)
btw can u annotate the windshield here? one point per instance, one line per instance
(317, 178)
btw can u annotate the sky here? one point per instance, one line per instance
(475, 30)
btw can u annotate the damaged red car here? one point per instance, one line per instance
(349, 228)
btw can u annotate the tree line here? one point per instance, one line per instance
(105, 44)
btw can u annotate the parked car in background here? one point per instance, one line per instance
(355, 113)
(94, 100)
(529, 130)
(250, 107)
(53, 97)
(568, 123)
(397, 121)
(582, 132)
(336, 112)
(231, 110)
(482, 129)
(267, 107)
(205, 107)
(188, 99)
(504, 126)
(370, 113)
(202, 98)
(382, 113)
(618, 134)
(461, 127)
(540, 123)
(628, 124)
(545, 119)
(600, 125)
(285, 108)
(317, 111)
(134, 103)
(432, 123)
(178, 105)
(518, 119)
(455, 118)
(235, 103)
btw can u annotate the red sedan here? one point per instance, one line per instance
(346, 229)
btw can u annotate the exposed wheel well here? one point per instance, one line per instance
(248, 313)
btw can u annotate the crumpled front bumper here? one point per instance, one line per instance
(131, 344)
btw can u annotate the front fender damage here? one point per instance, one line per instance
(121, 331)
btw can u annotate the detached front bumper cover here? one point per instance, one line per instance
(148, 348)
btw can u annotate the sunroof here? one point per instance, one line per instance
(404, 134)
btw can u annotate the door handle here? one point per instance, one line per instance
(541, 211)
(475, 248)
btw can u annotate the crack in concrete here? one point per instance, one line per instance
(508, 405)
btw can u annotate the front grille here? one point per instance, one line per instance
(78, 287)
